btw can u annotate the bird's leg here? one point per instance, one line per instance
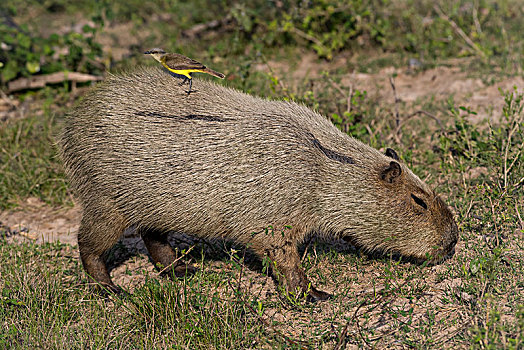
(182, 83)
(190, 84)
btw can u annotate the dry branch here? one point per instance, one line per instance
(39, 81)
(200, 28)
(343, 334)
(309, 37)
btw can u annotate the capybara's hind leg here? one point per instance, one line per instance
(96, 235)
(163, 255)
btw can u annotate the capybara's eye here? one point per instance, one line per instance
(419, 201)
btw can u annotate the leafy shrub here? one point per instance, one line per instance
(24, 54)
(426, 28)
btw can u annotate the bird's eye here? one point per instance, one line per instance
(419, 201)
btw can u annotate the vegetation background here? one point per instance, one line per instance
(439, 81)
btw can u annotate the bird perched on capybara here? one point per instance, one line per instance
(220, 163)
(182, 65)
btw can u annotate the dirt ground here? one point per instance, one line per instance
(440, 83)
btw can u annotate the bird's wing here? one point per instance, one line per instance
(180, 62)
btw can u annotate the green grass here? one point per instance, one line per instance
(29, 166)
(45, 304)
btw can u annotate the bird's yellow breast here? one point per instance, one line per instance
(184, 72)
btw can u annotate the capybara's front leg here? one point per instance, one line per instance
(286, 269)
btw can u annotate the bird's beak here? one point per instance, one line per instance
(147, 53)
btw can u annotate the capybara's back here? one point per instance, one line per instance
(141, 152)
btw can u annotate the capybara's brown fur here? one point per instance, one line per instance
(141, 152)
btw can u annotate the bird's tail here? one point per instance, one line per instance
(214, 73)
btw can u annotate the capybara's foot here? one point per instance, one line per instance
(105, 289)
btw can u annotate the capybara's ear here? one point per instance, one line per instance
(392, 154)
(391, 172)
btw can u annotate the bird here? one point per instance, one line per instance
(181, 65)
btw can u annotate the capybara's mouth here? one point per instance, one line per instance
(450, 248)
(442, 255)
(438, 257)
(446, 252)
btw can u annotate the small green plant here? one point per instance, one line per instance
(25, 54)
(350, 120)
(500, 147)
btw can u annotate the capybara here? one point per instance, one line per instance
(219, 163)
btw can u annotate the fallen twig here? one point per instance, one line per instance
(7, 100)
(343, 333)
(39, 81)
